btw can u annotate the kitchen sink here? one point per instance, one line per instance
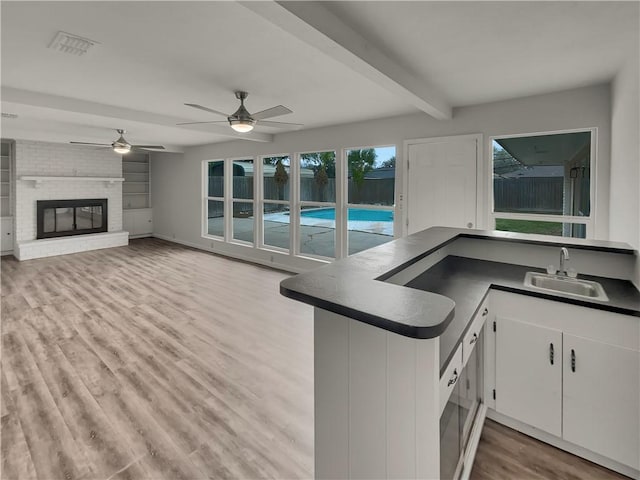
(566, 285)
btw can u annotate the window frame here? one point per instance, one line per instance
(260, 212)
(588, 221)
(205, 200)
(337, 249)
(346, 205)
(232, 200)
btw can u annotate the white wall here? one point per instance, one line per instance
(624, 219)
(54, 159)
(176, 179)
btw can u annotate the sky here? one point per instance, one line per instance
(384, 153)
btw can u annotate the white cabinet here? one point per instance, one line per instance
(589, 396)
(529, 374)
(138, 222)
(601, 398)
(6, 235)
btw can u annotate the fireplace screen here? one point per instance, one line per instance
(57, 218)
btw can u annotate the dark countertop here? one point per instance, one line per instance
(466, 281)
(354, 286)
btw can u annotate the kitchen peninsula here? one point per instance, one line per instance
(405, 350)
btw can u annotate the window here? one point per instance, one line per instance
(314, 204)
(215, 198)
(276, 188)
(317, 211)
(371, 178)
(543, 184)
(242, 200)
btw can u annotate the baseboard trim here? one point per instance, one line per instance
(563, 444)
(243, 258)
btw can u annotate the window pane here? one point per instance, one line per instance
(318, 177)
(547, 174)
(216, 179)
(276, 225)
(368, 228)
(372, 175)
(64, 219)
(243, 221)
(275, 172)
(215, 218)
(558, 229)
(243, 179)
(317, 231)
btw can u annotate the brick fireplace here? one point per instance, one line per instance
(59, 172)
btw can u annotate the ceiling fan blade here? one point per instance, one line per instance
(279, 124)
(94, 144)
(196, 123)
(147, 147)
(206, 109)
(271, 112)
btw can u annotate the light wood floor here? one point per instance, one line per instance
(153, 361)
(505, 454)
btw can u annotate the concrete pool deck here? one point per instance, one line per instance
(317, 236)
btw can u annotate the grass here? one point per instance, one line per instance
(529, 226)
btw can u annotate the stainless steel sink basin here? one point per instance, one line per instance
(565, 285)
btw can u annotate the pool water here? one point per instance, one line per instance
(355, 214)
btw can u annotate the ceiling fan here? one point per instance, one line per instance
(242, 121)
(121, 146)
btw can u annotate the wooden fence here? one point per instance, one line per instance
(530, 195)
(374, 191)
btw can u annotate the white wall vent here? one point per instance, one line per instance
(70, 43)
(12, 116)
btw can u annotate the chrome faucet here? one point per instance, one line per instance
(564, 256)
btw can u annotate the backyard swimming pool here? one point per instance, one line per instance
(355, 214)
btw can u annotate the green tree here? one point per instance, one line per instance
(323, 165)
(281, 177)
(320, 160)
(360, 163)
(389, 162)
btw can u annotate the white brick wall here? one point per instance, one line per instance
(53, 159)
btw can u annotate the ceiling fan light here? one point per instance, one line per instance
(242, 126)
(122, 149)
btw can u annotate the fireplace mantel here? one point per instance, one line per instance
(39, 179)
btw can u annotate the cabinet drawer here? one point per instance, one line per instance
(450, 378)
(473, 334)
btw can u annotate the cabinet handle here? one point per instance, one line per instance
(485, 312)
(573, 360)
(474, 339)
(551, 353)
(453, 379)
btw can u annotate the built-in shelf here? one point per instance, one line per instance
(39, 179)
(135, 170)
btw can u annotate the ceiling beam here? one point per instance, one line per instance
(314, 24)
(67, 104)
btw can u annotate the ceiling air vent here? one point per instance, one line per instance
(12, 116)
(73, 44)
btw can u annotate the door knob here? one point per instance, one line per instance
(469, 225)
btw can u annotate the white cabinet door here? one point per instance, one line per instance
(441, 186)
(601, 398)
(529, 374)
(138, 221)
(6, 234)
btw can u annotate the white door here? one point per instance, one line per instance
(601, 399)
(441, 185)
(529, 374)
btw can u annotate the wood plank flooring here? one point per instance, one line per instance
(156, 361)
(505, 454)
(153, 361)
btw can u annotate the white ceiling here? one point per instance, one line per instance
(154, 56)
